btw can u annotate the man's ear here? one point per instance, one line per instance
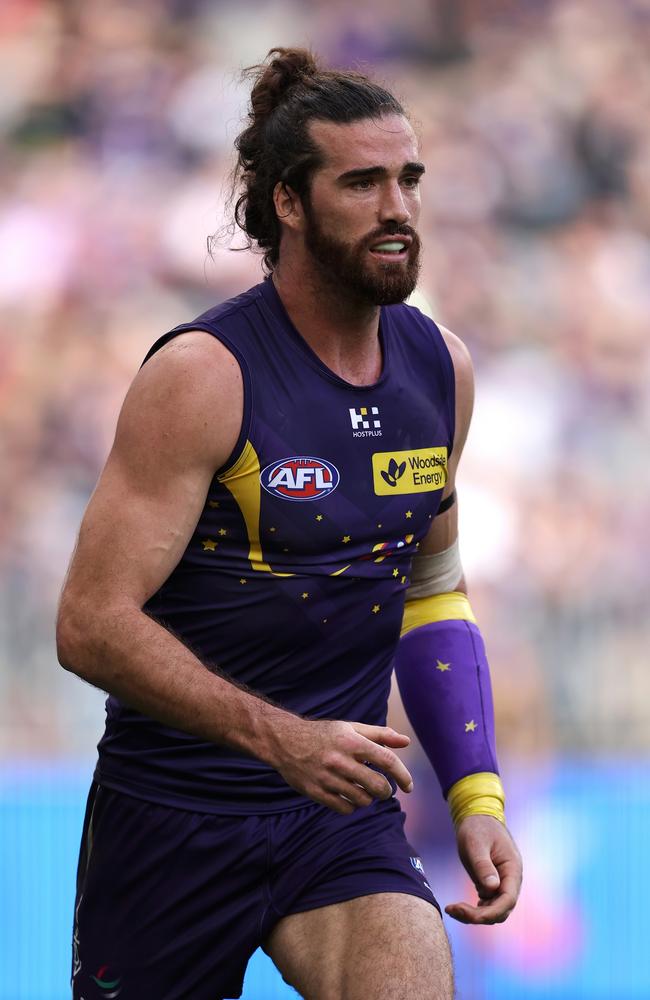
(288, 206)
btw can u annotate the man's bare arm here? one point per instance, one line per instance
(135, 530)
(179, 424)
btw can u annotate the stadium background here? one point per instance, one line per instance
(116, 129)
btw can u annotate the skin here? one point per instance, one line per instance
(141, 516)
(390, 946)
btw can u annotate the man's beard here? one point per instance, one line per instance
(343, 267)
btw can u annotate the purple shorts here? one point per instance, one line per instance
(172, 904)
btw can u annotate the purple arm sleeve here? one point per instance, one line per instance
(444, 680)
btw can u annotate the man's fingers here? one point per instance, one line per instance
(489, 911)
(354, 793)
(375, 784)
(388, 762)
(494, 912)
(383, 735)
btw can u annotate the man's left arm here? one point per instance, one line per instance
(444, 680)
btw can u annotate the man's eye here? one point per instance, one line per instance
(362, 185)
(411, 182)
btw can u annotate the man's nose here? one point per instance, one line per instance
(393, 207)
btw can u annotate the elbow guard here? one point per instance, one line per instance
(444, 680)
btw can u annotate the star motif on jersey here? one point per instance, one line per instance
(442, 666)
(470, 726)
(243, 580)
(305, 596)
(379, 525)
(376, 608)
(346, 539)
(222, 531)
(396, 572)
(213, 503)
(209, 545)
(409, 514)
(273, 529)
(319, 517)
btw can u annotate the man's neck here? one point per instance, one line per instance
(341, 330)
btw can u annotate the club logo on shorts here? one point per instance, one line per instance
(417, 864)
(300, 478)
(109, 985)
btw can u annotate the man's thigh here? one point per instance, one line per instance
(386, 946)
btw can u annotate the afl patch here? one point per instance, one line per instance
(300, 477)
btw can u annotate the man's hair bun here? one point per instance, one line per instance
(274, 79)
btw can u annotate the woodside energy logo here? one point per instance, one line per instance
(421, 470)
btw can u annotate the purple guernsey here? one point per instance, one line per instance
(294, 579)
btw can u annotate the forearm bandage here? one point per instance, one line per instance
(436, 574)
(444, 680)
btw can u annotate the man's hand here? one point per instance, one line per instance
(492, 861)
(327, 761)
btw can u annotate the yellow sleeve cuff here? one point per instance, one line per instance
(479, 794)
(452, 606)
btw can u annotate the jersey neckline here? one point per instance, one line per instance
(271, 296)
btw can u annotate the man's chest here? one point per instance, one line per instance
(342, 481)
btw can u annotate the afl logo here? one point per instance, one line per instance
(300, 478)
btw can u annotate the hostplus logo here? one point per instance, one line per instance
(365, 422)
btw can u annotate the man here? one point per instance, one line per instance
(282, 480)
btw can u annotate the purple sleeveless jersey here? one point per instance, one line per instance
(294, 579)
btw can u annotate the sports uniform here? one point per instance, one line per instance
(293, 583)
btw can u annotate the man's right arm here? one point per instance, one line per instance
(179, 423)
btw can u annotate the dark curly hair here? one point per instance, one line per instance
(290, 90)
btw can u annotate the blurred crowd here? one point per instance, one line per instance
(117, 122)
